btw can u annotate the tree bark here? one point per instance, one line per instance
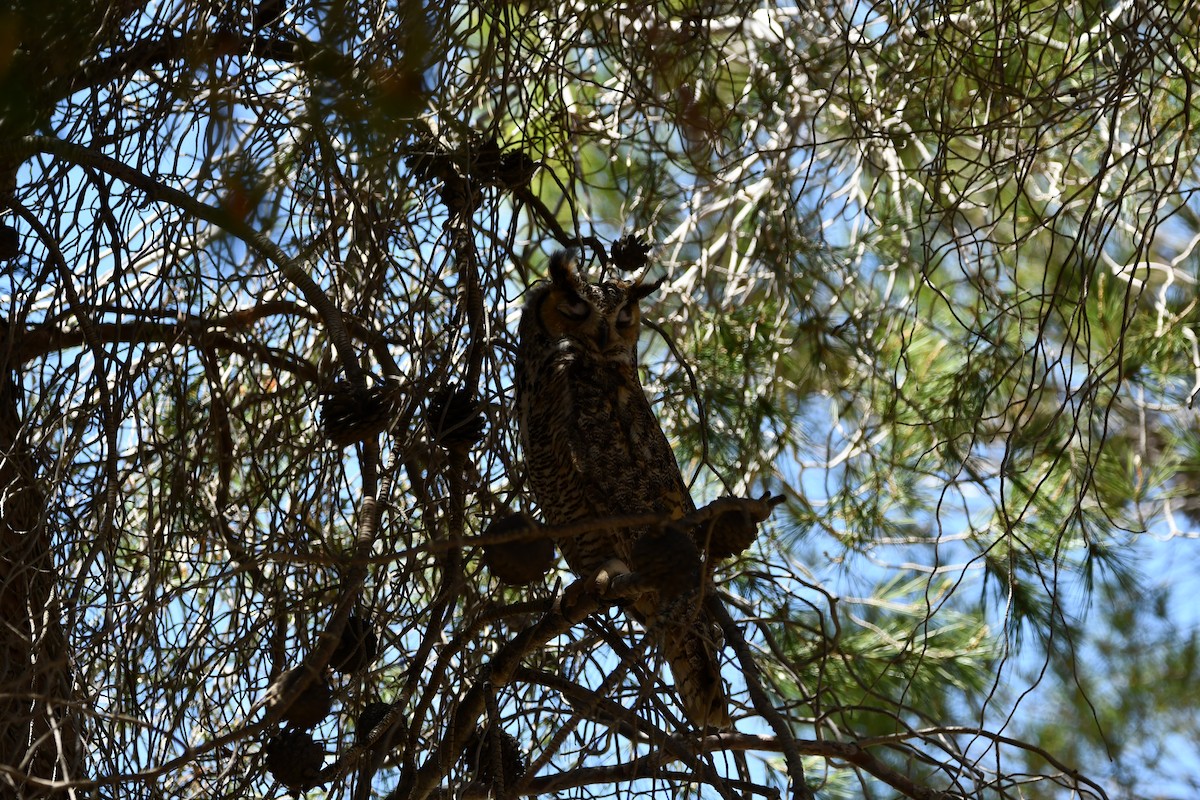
(39, 737)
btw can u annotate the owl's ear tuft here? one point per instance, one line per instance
(564, 270)
(640, 290)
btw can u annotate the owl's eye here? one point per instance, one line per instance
(574, 308)
(625, 316)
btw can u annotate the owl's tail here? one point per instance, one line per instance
(690, 647)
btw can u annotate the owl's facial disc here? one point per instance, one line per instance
(601, 318)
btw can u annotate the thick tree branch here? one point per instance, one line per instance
(41, 341)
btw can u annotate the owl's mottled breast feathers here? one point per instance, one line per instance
(592, 443)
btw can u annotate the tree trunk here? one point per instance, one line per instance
(39, 735)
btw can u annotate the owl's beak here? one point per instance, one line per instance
(602, 337)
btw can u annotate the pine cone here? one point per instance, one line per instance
(480, 757)
(371, 715)
(349, 415)
(295, 759)
(728, 534)
(10, 243)
(522, 561)
(267, 13)
(630, 253)
(430, 162)
(454, 419)
(668, 560)
(358, 647)
(312, 705)
(516, 170)
(485, 158)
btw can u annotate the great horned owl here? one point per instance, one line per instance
(595, 450)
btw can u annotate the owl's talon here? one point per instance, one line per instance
(577, 602)
(609, 570)
(617, 585)
(585, 597)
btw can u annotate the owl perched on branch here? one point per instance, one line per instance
(594, 450)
